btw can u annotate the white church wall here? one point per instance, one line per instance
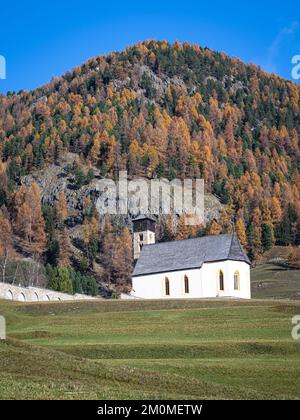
(203, 282)
(211, 279)
(153, 286)
(244, 272)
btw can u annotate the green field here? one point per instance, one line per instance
(195, 349)
(272, 280)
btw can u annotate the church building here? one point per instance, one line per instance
(205, 267)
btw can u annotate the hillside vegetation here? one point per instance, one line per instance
(155, 110)
(196, 349)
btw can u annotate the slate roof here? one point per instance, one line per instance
(188, 254)
(143, 217)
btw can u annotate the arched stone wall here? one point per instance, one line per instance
(21, 297)
(36, 294)
(9, 295)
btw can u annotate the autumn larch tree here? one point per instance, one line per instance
(64, 249)
(214, 228)
(183, 230)
(241, 232)
(61, 209)
(122, 258)
(5, 242)
(30, 224)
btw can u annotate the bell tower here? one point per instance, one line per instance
(143, 233)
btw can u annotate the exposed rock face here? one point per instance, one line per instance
(159, 84)
(56, 178)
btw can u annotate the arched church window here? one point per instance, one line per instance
(186, 284)
(167, 286)
(221, 280)
(236, 280)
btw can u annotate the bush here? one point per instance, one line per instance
(60, 279)
(84, 284)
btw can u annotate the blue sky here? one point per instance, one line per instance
(41, 39)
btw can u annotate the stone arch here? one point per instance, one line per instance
(36, 297)
(21, 297)
(9, 295)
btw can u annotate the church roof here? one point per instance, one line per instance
(188, 254)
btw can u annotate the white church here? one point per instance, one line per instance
(205, 267)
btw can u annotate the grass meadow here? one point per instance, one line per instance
(188, 349)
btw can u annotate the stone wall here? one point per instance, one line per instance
(36, 294)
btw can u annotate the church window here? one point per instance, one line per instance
(167, 286)
(186, 285)
(221, 280)
(236, 280)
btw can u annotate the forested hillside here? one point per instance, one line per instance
(156, 110)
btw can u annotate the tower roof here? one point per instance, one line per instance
(189, 254)
(144, 217)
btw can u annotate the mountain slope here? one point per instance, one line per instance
(161, 110)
